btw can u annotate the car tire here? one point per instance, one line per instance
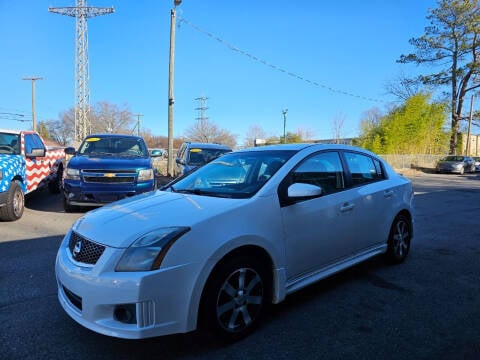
(15, 203)
(462, 170)
(235, 298)
(399, 239)
(55, 186)
(67, 206)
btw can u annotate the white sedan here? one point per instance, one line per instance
(214, 248)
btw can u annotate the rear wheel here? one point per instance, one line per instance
(235, 298)
(399, 239)
(15, 204)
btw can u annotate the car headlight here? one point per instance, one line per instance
(145, 175)
(72, 174)
(147, 252)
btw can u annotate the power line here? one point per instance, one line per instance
(273, 66)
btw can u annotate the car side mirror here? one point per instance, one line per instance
(302, 191)
(70, 151)
(36, 152)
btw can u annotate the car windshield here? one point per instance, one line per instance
(9, 143)
(453, 158)
(114, 146)
(235, 175)
(200, 156)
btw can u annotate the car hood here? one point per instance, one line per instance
(120, 223)
(108, 162)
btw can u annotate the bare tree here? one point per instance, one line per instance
(207, 131)
(254, 132)
(403, 87)
(337, 127)
(109, 118)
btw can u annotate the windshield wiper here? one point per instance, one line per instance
(197, 191)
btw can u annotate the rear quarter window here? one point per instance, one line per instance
(364, 169)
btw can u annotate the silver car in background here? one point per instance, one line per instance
(456, 164)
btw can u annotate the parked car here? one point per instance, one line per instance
(477, 163)
(106, 168)
(456, 164)
(213, 249)
(192, 155)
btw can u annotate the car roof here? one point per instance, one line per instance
(207, 145)
(114, 135)
(300, 146)
(8, 131)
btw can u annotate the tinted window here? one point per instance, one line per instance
(363, 168)
(324, 170)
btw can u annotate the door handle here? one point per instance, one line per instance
(388, 194)
(347, 207)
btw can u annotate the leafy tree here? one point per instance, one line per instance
(416, 127)
(451, 44)
(207, 131)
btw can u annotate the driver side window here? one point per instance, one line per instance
(324, 170)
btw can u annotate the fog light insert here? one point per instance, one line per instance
(126, 313)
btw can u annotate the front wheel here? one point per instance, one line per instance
(55, 186)
(235, 298)
(399, 239)
(67, 206)
(15, 204)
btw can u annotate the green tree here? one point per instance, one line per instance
(416, 127)
(451, 45)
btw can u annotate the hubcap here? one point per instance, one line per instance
(17, 203)
(400, 239)
(240, 299)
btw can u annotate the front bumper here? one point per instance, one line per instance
(94, 295)
(81, 194)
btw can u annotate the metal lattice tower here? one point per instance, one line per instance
(81, 12)
(202, 110)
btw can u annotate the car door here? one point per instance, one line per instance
(317, 231)
(372, 195)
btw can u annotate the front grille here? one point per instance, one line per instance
(84, 250)
(109, 180)
(109, 176)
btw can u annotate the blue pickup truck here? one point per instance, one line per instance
(106, 168)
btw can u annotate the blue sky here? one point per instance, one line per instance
(349, 46)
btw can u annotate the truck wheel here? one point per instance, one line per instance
(13, 208)
(67, 206)
(55, 186)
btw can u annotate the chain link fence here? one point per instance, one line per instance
(413, 161)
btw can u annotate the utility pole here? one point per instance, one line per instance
(284, 112)
(138, 123)
(81, 12)
(34, 115)
(470, 120)
(171, 99)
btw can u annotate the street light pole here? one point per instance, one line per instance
(284, 112)
(34, 119)
(171, 99)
